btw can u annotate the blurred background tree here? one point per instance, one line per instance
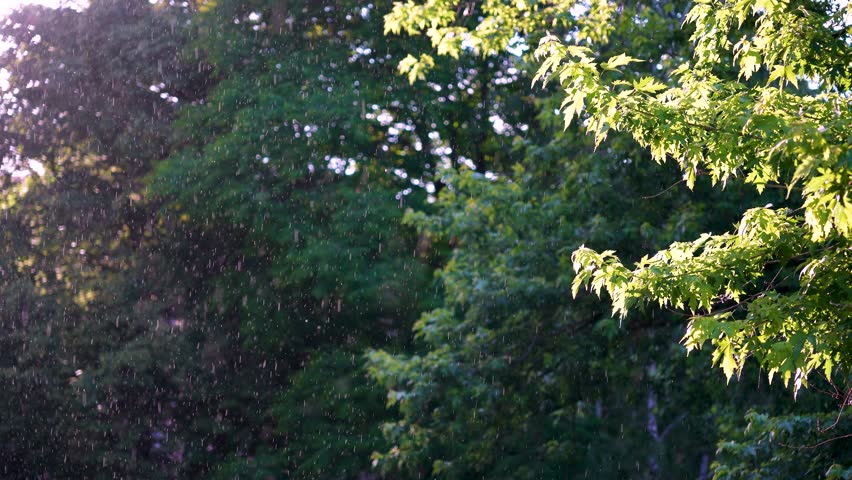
(234, 232)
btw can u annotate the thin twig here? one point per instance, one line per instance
(664, 191)
(846, 398)
(810, 447)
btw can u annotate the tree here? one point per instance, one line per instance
(218, 220)
(210, 210)
(294, 172)
(724, 125)
(88, 288)
(767, 129)
(511, 379)
(776, 289)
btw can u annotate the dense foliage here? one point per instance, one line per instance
(345, 240)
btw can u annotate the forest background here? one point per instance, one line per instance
(332, 240)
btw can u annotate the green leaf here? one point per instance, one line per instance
(619, 61)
